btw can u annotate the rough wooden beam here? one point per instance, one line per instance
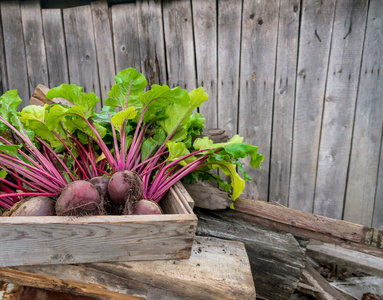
(276, 259)
(216, 267)
(353, 236)
(326, 291)
(208, 197)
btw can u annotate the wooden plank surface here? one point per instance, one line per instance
(276, 259)
(14, 49)
(151, 41)
(216, 267)
(284, 95)
(229, 48)
(258, 52)
(55, 47)
(3, 67)
(126, 42)
(366, 141)
(104, 46)
(339, 107)
(314, 48)
(81, 49)
(353, 236)
(178, 28)
(205, 39)
(377, 220)
(34, 44)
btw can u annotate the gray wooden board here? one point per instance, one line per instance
(126, 42)
(229, 46)
(63, 240)
(357, 286)
(34, 44)
(377, 220)
(205, 34)
(55, 47)
(366, 141)
(14, 49)
(179, 44)
(151, 41)
(314, 48)
(259, 40)
(276, 259)
(217, 269)
(104, 46)
(339, 107)
(81, 49)
(284, 95)
(3, 67)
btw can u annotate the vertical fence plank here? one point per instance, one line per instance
(81, 49)
(377, 220)
(205, 33)
(104, 46)
(284, 95)
(34, 44)
(259, 40)
(339, 107)
(151, 37)
(363, 170)
(179, 44)
(55, 47)
(14, 49)
(3, 67)
(314, 47)
(229, 47)
(126, 41)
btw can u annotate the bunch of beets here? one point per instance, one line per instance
(74, 160)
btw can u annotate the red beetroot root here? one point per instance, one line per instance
(147, 207)
(35, 206)
(125, 188)
(79, 198)
(101, 184)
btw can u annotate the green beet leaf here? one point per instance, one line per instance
(9, 103)
(120, 118)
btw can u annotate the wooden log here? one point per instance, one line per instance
(353, 236)
(216, 267)
(276, 259)
(39, 97)
(326, 291)
(208, 197)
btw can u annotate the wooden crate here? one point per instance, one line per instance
(70, 240)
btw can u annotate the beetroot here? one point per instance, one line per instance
(101, 184)
(125, 188)
(147, 207)
(35, 206)
(79, 198)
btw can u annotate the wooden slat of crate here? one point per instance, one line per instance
(68, 240)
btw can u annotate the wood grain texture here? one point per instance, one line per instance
(339, 107)
(205, 39)
(151, 41)
(314, 48)
(353, 236)
(3, 67)
(377, 220)
(126, 42)
(284, 95)
(179, 43)
(216, 267)
(62, 240)
(55, 47)
(208, 197)
(276, 259)
(14, 49)
(34, 43)
(365, 151)
(229, 48)
(104, 46)
(81, 49)
(259, 41)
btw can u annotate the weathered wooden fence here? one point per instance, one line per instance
(301, 79)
